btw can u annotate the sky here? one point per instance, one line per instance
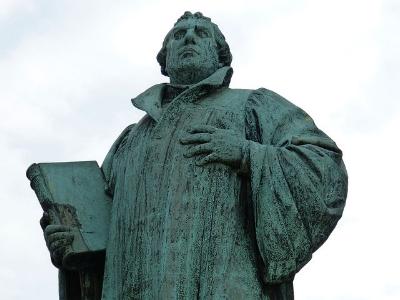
(69, 68)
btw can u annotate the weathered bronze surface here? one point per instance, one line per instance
(218, 193)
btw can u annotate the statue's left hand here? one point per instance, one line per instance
(212, 144)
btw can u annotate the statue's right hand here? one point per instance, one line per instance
(58, 240)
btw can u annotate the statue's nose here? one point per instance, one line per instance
(190, 37)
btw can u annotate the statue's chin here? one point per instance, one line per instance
(190, 72)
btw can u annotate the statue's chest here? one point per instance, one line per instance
(223, 109)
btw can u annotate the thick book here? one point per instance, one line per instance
(73, 194)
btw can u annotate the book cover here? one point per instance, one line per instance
(73, 194)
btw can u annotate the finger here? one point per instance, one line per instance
(207, 159)
(59, 243)
(198, 149)
(59, 236)
(196, 138)
(44, 220)
(202, 129)
(50, 229)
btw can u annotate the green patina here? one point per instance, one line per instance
(218, 193)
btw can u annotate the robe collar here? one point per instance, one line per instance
(151, 99)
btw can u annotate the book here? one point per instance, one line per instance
(74, 194)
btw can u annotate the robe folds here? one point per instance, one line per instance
(182, 231)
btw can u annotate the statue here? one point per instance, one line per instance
(217, 193)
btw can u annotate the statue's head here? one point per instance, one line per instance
(193, 49)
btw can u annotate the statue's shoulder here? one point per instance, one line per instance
(253, 97)
(123, 135)
(242, 93)
(270, 100)
(234, 98)
(119, 142)
(260, 93)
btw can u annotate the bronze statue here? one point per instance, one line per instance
(217, 193)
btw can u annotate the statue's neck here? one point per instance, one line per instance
(187, 78)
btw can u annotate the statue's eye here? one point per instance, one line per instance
(202, 33)
(179, 34)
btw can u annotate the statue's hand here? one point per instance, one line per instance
(58, 240)
(213, 144)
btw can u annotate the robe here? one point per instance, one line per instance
(182, 231)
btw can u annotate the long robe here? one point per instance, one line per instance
(182, 231)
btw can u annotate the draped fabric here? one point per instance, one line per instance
(182, 231)
(298, 183)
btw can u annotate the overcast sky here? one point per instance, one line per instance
(69, 68)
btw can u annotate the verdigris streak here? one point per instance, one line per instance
(217, 193)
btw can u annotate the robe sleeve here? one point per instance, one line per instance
(87, 284)
(298, 183)
(107, 166)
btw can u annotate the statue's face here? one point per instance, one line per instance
(191, 52)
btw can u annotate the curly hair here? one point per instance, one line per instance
(224, 53)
